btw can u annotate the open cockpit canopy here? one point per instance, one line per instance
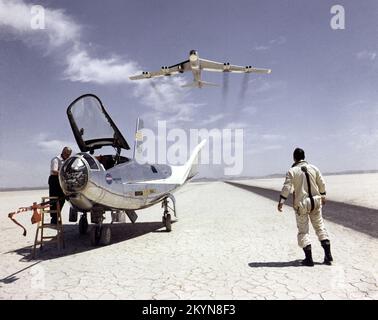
(92, 126)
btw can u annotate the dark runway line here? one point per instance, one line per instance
(358, 218)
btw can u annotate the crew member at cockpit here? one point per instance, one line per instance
(54, 187)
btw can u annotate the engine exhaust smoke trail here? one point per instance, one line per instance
(225, 88)
(157, 91)
(243, 88)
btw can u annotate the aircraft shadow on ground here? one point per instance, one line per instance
(76, 243)
(358, 218)
(278, 264)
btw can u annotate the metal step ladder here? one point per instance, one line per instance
(40, 238)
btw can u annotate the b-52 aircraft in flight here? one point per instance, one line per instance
(196, 65)
(96, 184)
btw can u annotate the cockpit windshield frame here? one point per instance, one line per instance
(89, 145)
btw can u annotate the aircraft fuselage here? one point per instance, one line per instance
(195, 66)
(87, 184)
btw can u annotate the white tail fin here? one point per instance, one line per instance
(186, 172)
(138, 151)
(181, 174)
(199, 84)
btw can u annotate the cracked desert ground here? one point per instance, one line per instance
(228, 243)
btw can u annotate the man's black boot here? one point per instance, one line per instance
(308, 260)
(327, 251)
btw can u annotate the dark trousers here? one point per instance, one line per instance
(55, 191)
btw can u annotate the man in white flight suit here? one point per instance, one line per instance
(309, 196)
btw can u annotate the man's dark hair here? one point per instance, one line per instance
(298, 154)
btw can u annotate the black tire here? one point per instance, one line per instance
(83, 225)
(95, 235)
(168, 223)
(105, 236)
(73, 215)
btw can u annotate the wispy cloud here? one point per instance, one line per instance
(50, 146)
(261, 85)
(22, 173)
(261, 48)
(263, 138)
(263, 91)
(366, 55)
(362, 138)
(356, 103)
(255, 149)
(212, 119)
(279, 41)
(250, 110)
(272, 137)
(81, 67)
(270, 44)
(167, 99)
(259, 143)
(33, 169)
(16, 16)
(62, 39)
(236, 125)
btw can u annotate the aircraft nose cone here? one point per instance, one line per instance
(73, 176)
(193, 58)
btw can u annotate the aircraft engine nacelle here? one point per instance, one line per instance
(248, 69)
(146, 74)
(226, 66)
(165, 70)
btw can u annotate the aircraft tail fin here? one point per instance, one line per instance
(183, 173)
(199, 84)
(138, 151)
(190, 168)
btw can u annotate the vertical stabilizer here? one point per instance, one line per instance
(138, 150)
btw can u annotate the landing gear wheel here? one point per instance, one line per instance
(106, 236)
(73, 215)
(168, 222)
(96, 235)
(83, 224)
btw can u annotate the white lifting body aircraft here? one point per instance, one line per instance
(96, 184)
(196, 65)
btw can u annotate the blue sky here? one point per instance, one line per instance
(322, 93)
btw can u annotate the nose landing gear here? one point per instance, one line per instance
(167, 219)
(100, 234)
(83, 224)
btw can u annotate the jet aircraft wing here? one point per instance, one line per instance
(209, 65)
(180, 67)
(164, 71)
